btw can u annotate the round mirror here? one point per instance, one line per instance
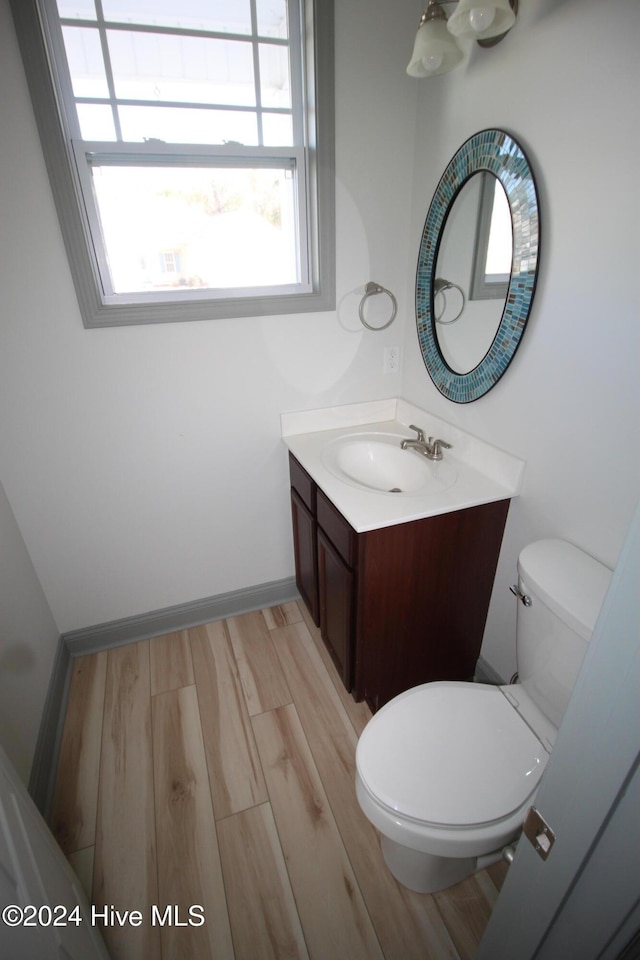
(477, 266)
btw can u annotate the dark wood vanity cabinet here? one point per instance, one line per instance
(400, 605)
(305, 537)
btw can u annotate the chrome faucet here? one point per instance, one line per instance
(429, 448)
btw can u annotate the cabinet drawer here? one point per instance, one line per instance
(303, 484)
(343, 536)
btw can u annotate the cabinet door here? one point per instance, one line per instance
(423, 595)
(306, 554)
(336, 596)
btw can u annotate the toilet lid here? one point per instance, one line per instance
(448, 753)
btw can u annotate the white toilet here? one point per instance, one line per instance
(447, 771)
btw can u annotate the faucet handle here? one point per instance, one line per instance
(435, 448)
(418, 431)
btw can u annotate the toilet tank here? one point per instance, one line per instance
(566, 587)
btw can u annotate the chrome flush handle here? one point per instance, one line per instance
(524, 597)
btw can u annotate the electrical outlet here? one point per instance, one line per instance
(391, 359)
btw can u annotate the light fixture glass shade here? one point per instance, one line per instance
(481, 19)
(434, 51)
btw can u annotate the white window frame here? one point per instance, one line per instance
(67, 160)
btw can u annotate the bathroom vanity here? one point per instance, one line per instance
(399, 605)
(400, 582)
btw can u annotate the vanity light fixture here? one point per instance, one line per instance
(436, 49)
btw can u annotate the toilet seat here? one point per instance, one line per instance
(450, 754)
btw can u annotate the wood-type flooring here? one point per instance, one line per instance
(206, 780)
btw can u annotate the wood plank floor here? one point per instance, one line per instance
(214, 769)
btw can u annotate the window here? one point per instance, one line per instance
(190, 151)
(491, 268)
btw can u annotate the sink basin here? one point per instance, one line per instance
(376, 461)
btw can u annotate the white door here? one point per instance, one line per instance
(584, 899)
(45, 915)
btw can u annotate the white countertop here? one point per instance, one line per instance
(484, 472)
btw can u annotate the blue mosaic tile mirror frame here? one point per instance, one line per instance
(497, 152)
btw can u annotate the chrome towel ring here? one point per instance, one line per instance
(370, 290)
(440, 286)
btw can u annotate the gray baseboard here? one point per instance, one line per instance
(45, 757)
(115, 633)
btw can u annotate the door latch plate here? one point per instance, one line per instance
(539, 833)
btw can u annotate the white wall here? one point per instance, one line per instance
(144, 465)
(28, 638)
(567, 87)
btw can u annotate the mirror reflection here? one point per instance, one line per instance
(474, 286)
(473, 269)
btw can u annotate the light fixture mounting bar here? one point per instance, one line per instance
(491, 42)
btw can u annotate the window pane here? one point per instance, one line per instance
(77, 9)
(188, 126)
(272, 18)
(187, 69)
(500, 244)
(96, 122)
(277, 129)
(86, 65)
(275, 88)
(222, 16)
(169, 228)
